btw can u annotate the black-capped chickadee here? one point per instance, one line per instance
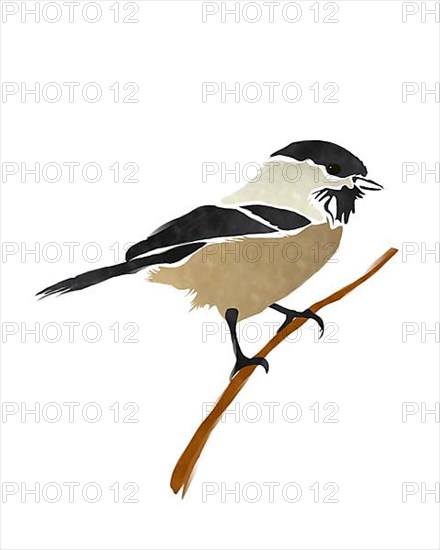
(259, 245)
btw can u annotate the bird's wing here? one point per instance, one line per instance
(209, 222)
(205, 222)
(184, 236)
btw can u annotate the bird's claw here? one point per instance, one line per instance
(307, 314)
(244, 361)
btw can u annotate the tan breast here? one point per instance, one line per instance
(250, 274)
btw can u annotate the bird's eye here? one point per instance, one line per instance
(333, 169)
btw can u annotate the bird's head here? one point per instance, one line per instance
(329, 175)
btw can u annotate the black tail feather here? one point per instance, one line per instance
(104, 273)
(86, 279)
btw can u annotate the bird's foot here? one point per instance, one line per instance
(243, 361)
(306, 314)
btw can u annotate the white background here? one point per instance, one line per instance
(369, 372)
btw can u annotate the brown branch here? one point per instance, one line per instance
(181, 476)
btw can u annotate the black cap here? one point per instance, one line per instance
(336, 159)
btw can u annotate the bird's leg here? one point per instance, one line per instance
(231, 317)
(292, 314)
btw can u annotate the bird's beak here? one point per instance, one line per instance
(375, 186)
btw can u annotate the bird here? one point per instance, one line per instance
(258, 244)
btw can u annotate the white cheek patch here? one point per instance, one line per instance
(290, 184)
(284, 184)
(310, 173)
(337, 184)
